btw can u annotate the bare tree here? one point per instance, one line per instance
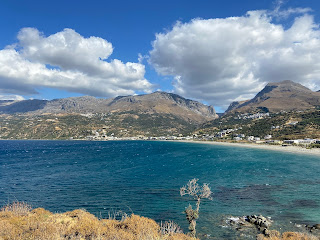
(193, 189)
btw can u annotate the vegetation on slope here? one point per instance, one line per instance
(18, 221)
(64, 126)
(279, 125)
(287, 236)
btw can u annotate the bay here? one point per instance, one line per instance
(144, 177)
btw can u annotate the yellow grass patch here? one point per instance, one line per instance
(19, 222)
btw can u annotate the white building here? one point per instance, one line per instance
(306, 141)
(268, 137)
(250, 138)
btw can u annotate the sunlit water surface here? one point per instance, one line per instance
(144, 177)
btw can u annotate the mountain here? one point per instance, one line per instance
(235, 105)
(154, 114)
(22, 106)
(154, 103)
(279, 96)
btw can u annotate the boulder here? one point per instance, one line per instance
(316, 226)
(259, 221)
(245, 223)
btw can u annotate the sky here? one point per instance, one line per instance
(213, 51)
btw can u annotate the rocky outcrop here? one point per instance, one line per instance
(259, 226)
(259, 221)
(245, 223)
(314, 228)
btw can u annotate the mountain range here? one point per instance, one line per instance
(155, 114)
(274, 97)
(154, 103)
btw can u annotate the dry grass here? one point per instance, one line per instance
(20, 222)
(288, 236)
(17, 208)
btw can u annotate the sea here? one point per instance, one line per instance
(144, 178)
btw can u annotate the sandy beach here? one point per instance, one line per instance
(289, 149)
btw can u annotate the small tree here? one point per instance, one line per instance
(193, 189)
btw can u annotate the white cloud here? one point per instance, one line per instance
(11, 97)
(221, 60)
(66, 60)
(285, 13)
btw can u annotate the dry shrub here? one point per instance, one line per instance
(288, 236)
(17, 208)
(15, 225)
(177, 236)
(297, 236)
(8, 230)
(143, 228)
(82, 224)
(117, 215)
(40, 224)
(41, 212)
(169, 227)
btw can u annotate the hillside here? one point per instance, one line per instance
(285, 110)
(19, 221)
(154, 103)
(293, 113)
(282, 125)
(279, 96)
(155, 114)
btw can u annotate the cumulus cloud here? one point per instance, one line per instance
(11, 97)
(227, 59)
(66, 60)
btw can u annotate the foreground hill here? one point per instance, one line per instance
(280, 96)
(18, 221)
(159, 113)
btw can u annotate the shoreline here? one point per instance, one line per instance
(279, 148)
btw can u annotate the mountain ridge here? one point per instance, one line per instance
(157, 102)
(279, 96)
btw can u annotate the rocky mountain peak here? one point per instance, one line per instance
(288, 85)
(276, 96)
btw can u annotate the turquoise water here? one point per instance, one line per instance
(144, 177)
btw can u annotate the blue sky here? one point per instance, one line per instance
(184, 58)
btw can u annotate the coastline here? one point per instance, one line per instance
(279, 148)
(247, 189)
(287, 149)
